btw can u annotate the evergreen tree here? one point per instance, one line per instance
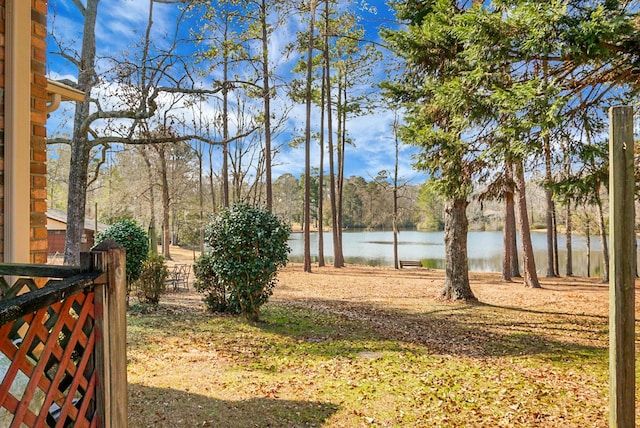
(439, 110)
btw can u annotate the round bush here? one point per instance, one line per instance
(247, 247)
(133, 239)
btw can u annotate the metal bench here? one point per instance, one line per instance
(179, 276)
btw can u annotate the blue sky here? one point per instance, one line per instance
(121, 22)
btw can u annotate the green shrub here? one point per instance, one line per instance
(247, 247)
(207, 283)
(134, 240)
(152, 281)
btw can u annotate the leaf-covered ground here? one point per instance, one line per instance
(376, 347)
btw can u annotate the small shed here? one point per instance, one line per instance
(57, 231)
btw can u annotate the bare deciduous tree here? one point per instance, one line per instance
(99, 123)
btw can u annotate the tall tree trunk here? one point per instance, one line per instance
(587, 232)
(396, 261)
(603, 237)
(267, 103)
(81, 146)
(569, 231)
(321, 261)
(153, 239)
(76, 200)
(175, 225)
(307, 146)
(212, 187)
(556, 258)
(550, 213)
(225, 122)
(456, 281)
(200, 154)
(339, 254)
(529, 263)
(236, 173)
(335, 227)
(548, 175)
(225, 174)
(549, 226)
(166, 204)
(509, 231)
(515, 263)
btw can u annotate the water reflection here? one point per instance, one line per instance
(375, 248)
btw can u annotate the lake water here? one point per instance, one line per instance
(484, 250)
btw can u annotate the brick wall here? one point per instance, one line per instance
(38, 167)
(38, 132)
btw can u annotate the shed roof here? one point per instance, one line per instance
(57, 220)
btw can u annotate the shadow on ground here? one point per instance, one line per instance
(475, 330)
(164, 407)
(338, 327)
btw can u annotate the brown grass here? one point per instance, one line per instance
(366, 346)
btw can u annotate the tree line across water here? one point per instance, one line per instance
(491, 93)
(122, 192)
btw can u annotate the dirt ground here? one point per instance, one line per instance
(532, 357)
(395, 303)
(381, 285)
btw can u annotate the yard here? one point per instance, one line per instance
(364, 346)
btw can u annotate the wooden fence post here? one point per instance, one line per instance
(111, 343)
(622, 269)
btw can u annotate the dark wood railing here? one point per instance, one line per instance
(63, 343)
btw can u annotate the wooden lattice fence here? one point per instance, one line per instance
(62, 343)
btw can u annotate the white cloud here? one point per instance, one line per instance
(373, 152)
(122, 22)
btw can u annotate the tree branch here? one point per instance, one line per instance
(80, 6)
(96, 169)
(58, 140)
(160, 140)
